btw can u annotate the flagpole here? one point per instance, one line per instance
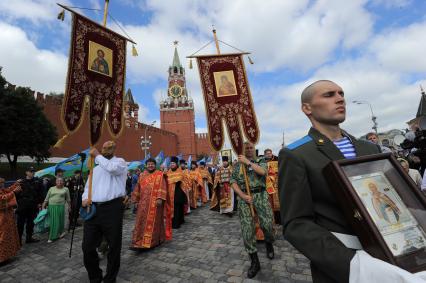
(246, 180)
(91, 161)
(105, 12)
(216, 41)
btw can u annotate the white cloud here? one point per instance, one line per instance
(35, 11)
(402, 49)
(305, 37)
(26, 65)
(143, 113)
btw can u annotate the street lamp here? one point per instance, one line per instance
(373, 118)
(146, 140)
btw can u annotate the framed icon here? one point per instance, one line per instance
(100, 59)
(384, 207)
(225, 83)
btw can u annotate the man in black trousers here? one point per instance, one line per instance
(29, 201)
(108, 192)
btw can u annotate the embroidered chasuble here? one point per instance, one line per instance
(223, 194)
(176, 180)
(9, 238)
(197, 188)
(149, 226)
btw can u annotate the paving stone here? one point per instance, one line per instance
(207, 248)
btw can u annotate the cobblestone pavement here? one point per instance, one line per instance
(208, 248)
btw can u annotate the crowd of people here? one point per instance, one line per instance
(290, 190)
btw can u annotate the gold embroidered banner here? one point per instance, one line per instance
(96, 69)
(227, 98)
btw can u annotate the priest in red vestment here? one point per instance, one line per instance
(178, 185)
(9, 238)
(198, 193)
(150, 195)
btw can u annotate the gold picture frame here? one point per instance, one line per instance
(100, 59)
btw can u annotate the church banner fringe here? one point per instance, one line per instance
(227, 98)
(96, 69)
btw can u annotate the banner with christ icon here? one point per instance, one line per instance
(227, 98)
(96, 70)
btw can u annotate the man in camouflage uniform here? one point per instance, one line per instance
(256, 174)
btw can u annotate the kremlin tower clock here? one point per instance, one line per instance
(177, 110)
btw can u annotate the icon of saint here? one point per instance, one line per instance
(385, 208)
(226, 87)
(100, 64)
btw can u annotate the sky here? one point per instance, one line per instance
(373, 49)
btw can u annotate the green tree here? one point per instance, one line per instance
(24, 129)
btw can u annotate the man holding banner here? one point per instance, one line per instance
(258, 197)
(109, 189)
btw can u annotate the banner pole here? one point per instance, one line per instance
(216, 41)
(105, 12)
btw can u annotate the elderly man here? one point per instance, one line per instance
(256, 170)
(313, 220)
(108, 192)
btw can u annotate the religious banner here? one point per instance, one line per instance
(227, 98)
(96, 70)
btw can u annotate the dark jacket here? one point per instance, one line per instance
(308, 207)
(31, 194)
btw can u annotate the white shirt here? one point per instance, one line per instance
(365, 268)
(109, 179)
(415, 175)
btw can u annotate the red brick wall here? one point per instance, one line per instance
(203, 145)
(128, 144)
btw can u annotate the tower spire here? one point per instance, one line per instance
(176, 61)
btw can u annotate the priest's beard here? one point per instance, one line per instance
(150, 171)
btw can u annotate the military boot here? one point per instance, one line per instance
(269, 250)
(254, 267)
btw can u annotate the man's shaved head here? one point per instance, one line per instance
(309, 91)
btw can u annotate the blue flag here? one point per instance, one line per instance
(202, 160)
(73, 163)
(148, 156)
(180, 157)
(134, 165)
(209, 160)
(189, 161)
(166, 162)
(159, 158)
(46, 171)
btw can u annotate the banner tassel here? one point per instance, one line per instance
(190, 63)
(60, 142)
(134, 51)
(250, 61)
(61, 15)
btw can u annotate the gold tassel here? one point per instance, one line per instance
(61, 15)
(190, 63)
(134, 51)
(250, 61)
(60, 142)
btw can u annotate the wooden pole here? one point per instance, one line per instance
(216, 41)
(91, 166)
(105, 12)
(248, 189)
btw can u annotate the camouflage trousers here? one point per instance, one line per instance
(263, 210)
